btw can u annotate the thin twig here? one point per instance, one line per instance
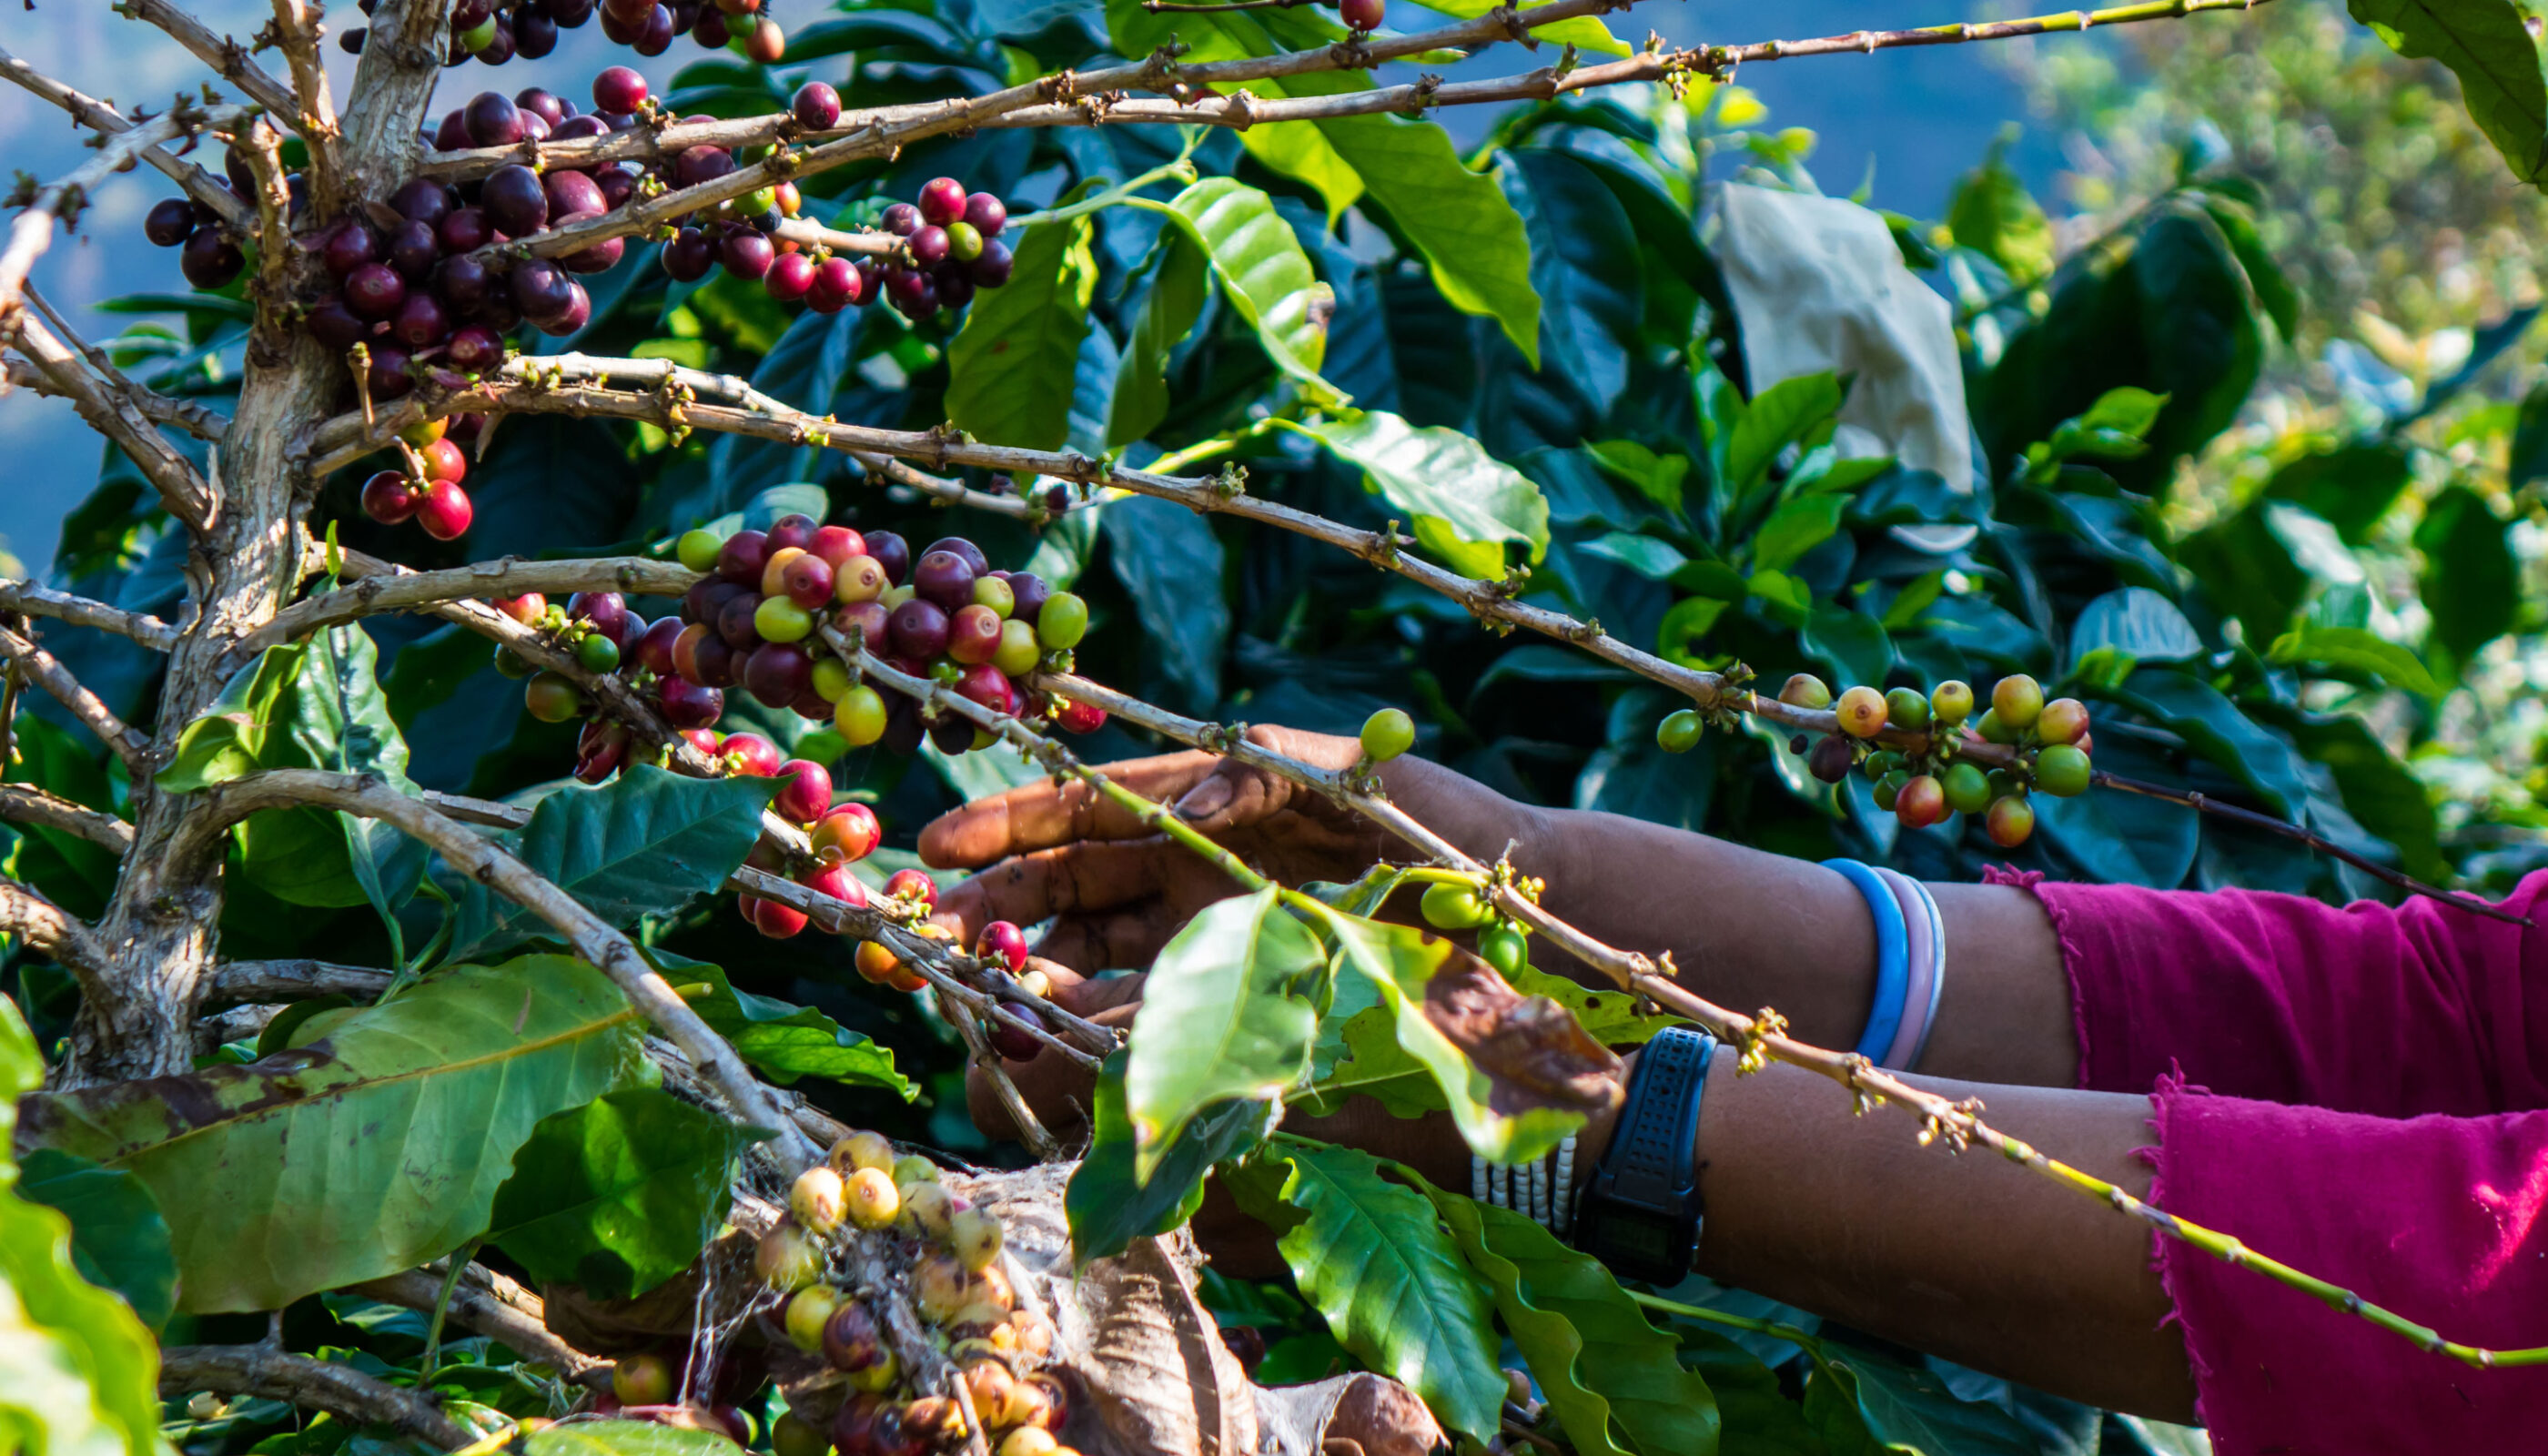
(341, 1391)
(25, 803)
(291, 980)
(185, 492)
(482, 580)
(296, 30)
(167, 409)
(47, 672)
(63, 201)
(590, 937)
(221, 52)
(201, 185)
(1031, 1129)
(807, 233)
(36, 600)
(490, 1303)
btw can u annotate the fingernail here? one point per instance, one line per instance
(1206, 799)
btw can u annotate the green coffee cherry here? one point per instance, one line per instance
(1455, 907)
(1385, 734)
(596, 653)
(1502, 946)
(698, 549)
(1968, 788)
(1679, 732)
(1951, 701)
(1994, 729)
(1906, 708)
(1062, 622)
(1888, 790)
(2061, 771)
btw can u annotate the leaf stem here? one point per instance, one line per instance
(424, 1370)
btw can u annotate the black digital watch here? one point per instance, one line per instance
(1640, 1214)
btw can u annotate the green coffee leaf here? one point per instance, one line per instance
(1540, 1073)
(2359, 649)
(1466, 230)
(118, 1239)
(1591, 1348)
(229, 741)
(1464, 501)
(1226, 1019)
(1371, 1255)
(617, 1194)
(373, 1149)
(626, 1438)
(783, 1042)
(1012, 368)
(78, 1372)
(1109, 1204)
(640, 845)
(1168, 311)
(1866, 1406)
(1263, 272)
(2498, 58)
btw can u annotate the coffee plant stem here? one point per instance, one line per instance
(47, 672)
(224, 55)
(319, 1385)
(113, 414)
(478, 581)
(1745, 1323)
(36, 600)
(183, 414)
(1031, 1129)
(63, 200)
(25, 803)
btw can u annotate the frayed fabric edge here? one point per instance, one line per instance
(2163, 1097)
(2031, 882)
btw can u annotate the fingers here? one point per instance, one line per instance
(1121, 939)
(1040, 816)
(1058, 1090)
(1092, 876)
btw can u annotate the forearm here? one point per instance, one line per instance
(1748, 929)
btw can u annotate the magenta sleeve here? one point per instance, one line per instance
(2438, 1218)
(2394, 1009)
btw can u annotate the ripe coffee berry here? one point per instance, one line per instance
(2009, 822)
(1003, 945)
(2064, 720)
(817, 106)
(942, 200)
(1362, 15)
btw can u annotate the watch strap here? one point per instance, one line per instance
(1648, 1176)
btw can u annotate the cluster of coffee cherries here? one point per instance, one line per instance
(950, 245)
(957, 1284)
(210, 258)
(1922, 787)
(497, 30)
(428, 493)
(756, 619)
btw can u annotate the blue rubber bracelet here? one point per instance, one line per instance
(1892, 959)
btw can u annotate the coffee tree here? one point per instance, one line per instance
(551, 517)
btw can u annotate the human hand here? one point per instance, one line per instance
(1120, 890)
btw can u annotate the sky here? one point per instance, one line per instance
(1922, 117)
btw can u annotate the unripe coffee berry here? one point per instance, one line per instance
(1503, 946)
(2064, 720)
(1385, 734)
(2009, 822)
(1951, 701)
(1680, 731)
(807, 1313)
(2061, 771)
(861, 1150)
(1993, 728)
(975, 1237)
(794, 1435)
(860, 716)
(1860, 711)
(1906, 708)
(1805, 691)
(642, 1380)
(1454, 907)
(1921, 802)
(1061, 622)
(787, 1258)
(2018, 700)
(1888, 790)
(1968, 788)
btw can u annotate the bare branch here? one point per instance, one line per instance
(480, 581)
(33, 600)
(25, 803)
(203, 186)
(475, 1304)
(158, 408)
(63, 201)
(489, 864)
(1012, 506)
(296, 30)
(291, 980)
(181, 487)
(221, 52)
(402, 57)
(237, 1024)
(806, 232)
(47, 672)
(316, 1384)
(24, 911)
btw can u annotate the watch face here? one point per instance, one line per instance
(1636, 1239)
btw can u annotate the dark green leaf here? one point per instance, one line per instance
(1993, 214)
(1262, 272)
(118, 1239)
(1457, 494)
(626, 1438)
(2351, 486)
(1011, 369)
(373, 1149)
(1109, 1207)
(1595, 1357)
(2357, 649)
(2529, 459)
(784, 1042)
(77, 875)
(1866, 1405)
(1471, 238)
(2137, 623)
(805, 368)
(1168, 311)
(617, 1194)
(640, 845)
(1780, 416)
(1584, 264)
(2470, 583)
(1169, 562)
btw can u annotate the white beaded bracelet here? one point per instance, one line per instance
(1536, 1189)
